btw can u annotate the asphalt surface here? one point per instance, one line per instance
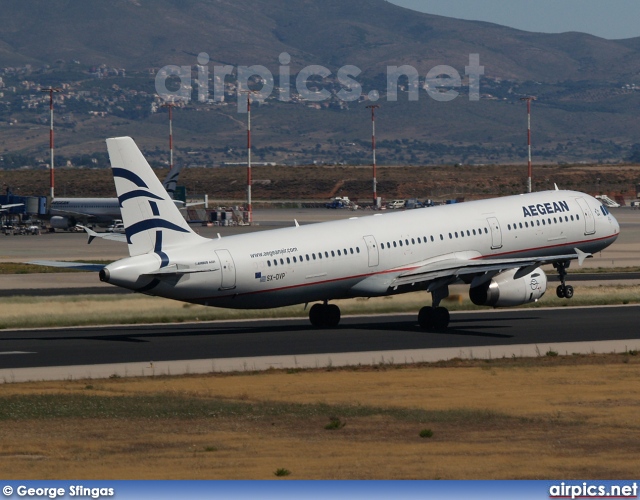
(250, 339)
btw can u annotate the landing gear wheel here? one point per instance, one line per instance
(441, 318)
(332, 316)
(315, 315)
(564, 291)
(425, 318)
(568, 292)
(324, 315)
(433, 318)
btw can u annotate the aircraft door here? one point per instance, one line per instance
(496, 233)
(589, 220)
(372, 249)
(228, 269)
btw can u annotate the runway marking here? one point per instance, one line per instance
(17, 352)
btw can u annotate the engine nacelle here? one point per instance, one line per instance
(505, 291)
(59, 222)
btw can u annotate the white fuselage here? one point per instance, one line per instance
(354, 257)
(95, 209)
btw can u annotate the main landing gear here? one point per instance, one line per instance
(324, 315)
(435, 317)
(563, 291)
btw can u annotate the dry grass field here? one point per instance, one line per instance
(322, 182)
(570, 417)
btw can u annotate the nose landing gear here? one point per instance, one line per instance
(563, 291)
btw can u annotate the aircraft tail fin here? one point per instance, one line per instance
(171, 180)
(151, 219)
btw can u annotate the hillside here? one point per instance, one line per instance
(138, 34)
(587, 87)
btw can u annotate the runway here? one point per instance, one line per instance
(205, 347)
(238, 345)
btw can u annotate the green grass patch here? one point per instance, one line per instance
(167, 406)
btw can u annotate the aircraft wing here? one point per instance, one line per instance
(105, 236)
(6, 207)
(80, 266)
(77, 214)
(458, 265)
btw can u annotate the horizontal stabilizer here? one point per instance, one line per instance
(80, 266)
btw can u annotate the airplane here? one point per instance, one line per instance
(496, 246)
(5, 208)
(68, 212)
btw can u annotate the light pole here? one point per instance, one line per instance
(170, 105)
(373, 108)
(530, 169)
(249, 209)
(51, 91)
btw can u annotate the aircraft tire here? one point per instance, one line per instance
(441, 318)
(568, 292)
(560, 291)
(425, 318)
(316, 315)
(332, 316)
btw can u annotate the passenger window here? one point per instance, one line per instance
(307, 257)
(509, 227)
(294, 260)
(395, 244)
(357, 249)
(468, 233)
(400, 242)
(486, 231)
(577, 217)
(282, 261)
(413, 242)
(474, 232)
(351, 250)
(269, 263)
(521, 225)
(288, 260)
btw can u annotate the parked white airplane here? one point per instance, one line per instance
(495, 246)
(68, 212)
(4, 208)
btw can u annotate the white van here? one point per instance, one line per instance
(396, 204)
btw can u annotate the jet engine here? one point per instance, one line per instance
(505, 291)
(59, 222)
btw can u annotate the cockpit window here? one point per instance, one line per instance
(604, 210)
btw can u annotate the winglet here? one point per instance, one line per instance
(91, 235)
(556, 186)
(582, 255)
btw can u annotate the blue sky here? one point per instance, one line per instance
(612, 19)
